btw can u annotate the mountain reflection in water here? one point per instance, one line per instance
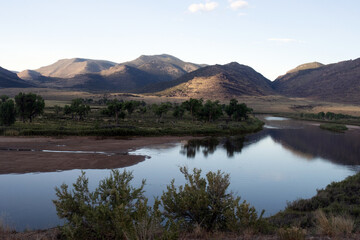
(305, 140)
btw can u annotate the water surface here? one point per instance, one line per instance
(287, 160)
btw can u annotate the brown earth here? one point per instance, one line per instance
(25, 154)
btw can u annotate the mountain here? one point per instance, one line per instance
(165, 67)
(338, 82)
(68, 68)
(306, 66)
(218, 82)
(9, 79)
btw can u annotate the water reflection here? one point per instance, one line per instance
(209, 146)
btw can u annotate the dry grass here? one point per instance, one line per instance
(334, 226)
(293, 233)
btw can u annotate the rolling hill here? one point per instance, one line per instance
(9, 79)
(218, 82)
(338, 82)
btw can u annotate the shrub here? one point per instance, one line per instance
(115, 210)
(333, 225)
(293, 233)
(207, 203)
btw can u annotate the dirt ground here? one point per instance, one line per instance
(38, 154)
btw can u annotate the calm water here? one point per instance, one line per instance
(287, 160)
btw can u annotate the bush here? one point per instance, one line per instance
(333, 225)
(206, 203)
(293, 233)
(115, 210)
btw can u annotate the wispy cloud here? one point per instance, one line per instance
(203, 7)
(282, 40)
(237, 4)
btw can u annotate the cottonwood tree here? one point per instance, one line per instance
(78, 109)
(7, 111)
(211, 111)
(161, 109)
(115, 108)
(193, 106)
(29, 105)
(237, 111)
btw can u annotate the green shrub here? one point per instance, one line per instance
(115, 210)
(207, 203)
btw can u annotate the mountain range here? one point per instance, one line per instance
(169, 76)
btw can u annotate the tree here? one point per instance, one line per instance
(193, 106)
(161, 109)
(210, 111)
(179, 111)
(130, 106)
(7, 111)
(115, 108)
(57, 110)
(29, 105)
(77, 108)
(237, 111)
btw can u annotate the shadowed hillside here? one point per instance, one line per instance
(338, 82)
(217, 82)
(9, 79)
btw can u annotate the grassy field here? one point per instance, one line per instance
(264, 104)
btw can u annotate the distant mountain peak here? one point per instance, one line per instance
(306, 66)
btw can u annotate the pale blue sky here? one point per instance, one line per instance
(272, 36)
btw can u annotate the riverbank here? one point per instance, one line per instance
(49, 154)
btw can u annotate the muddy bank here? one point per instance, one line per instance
(41, 154)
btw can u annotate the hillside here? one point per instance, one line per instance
(68, 68)
(219, 82)
(165, 67)
(9, 79)
(338, 82)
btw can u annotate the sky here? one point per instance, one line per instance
(271, 36)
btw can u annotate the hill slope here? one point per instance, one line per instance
(338, 82)
(165, 67)
(68, 68)
(9, 79)
(219, 82)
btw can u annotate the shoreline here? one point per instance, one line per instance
(20, 155)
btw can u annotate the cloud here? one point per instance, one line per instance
(203, 7)
(237, 4)
(282, 40)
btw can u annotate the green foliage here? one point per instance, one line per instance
(237, 111)
(161, 109)
(179, 111)
(210, 111)
(7, 111)
(338, 198)
(193, 106)
(29, 105)
(78, 109)
(57, 110)
(115, 210)
(115, 108)
(334, 127)
(130, 106)
(206, 202)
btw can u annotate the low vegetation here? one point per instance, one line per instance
(116, 210)
(115, 117)
(328, 117)
(334, 127)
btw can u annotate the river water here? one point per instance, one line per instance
(286, 161)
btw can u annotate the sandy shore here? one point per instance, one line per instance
(38, 154)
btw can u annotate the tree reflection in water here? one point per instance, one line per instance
(209, 145)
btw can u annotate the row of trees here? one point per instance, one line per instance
(27, 106)
(197, 108)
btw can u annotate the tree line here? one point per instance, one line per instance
(27, 106)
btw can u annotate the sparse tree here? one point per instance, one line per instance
(115, 108)
(161, 109)
(210, 111)
(193, 106)
(7, 111)
(29, 105)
